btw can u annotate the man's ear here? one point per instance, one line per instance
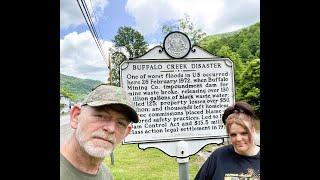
(129, 128)
(74, 116)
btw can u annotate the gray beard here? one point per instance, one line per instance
(95, 151)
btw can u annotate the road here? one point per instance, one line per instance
(65, 129)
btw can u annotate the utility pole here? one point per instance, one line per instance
(110, 70)
(110, 81)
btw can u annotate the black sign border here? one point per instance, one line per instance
(189, 60)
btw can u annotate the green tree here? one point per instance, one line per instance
(225, 51)
(67, 94)
(246, 42)
(132, 42)
(186, 26)
(117, 58)
(244, 51)
(243, 48)
(76, 88)
(249, 86)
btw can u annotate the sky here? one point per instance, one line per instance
(80, 56)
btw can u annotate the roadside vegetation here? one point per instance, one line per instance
(132, 163)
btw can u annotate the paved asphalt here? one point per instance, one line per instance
(65, 129)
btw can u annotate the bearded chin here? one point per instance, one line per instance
(98, 152)
(93, 150)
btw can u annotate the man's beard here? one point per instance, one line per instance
(98, 149)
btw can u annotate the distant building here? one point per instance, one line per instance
(65, 101)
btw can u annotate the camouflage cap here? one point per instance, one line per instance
(107, 94)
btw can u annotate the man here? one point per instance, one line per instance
(100, 123)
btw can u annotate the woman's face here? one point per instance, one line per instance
(239, 137)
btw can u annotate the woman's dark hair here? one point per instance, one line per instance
(240, 107)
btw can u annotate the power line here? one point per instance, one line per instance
(91, 26)
(95, 17)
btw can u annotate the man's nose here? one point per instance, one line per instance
(110, 126)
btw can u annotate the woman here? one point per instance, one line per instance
(241, 159)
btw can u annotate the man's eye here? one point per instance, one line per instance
(99, 116)
(121, 123)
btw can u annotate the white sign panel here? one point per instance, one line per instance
(178, 99)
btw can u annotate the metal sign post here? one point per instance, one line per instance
(183, 168)
(182, 151)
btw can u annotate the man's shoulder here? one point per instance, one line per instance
(69, 172)
(66, 169)
(63, 161)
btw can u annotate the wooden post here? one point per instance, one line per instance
(112, 158)
(110, 73)
(110, 81)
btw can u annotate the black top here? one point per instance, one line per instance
(225, 163)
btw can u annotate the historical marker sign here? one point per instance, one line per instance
(178, 99)
(180, 94)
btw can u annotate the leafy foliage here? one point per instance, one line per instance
(65, 92)
(117, 58)
(132, 42)
(76, 88)
(245, 42)
(243, 48)
(249, 87)
(225, 51)
(186, 26)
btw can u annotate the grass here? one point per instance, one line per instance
(132, 163)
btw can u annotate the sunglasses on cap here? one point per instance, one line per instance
(237, 108)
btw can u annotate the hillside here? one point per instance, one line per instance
(243, 48)
(76, 88)
(245, 42)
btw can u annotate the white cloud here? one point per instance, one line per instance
(149, 14)
(150, 46)
(70, 13)
(212, 16)
(80, 57)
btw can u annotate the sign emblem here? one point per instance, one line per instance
(177, 44)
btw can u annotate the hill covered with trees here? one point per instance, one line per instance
(245, 42)
(243, 48)
(76, 88)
